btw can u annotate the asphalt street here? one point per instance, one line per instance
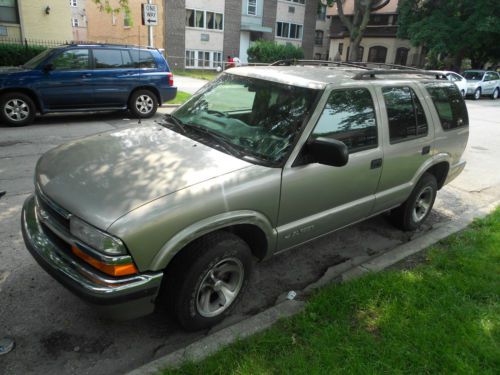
(56, 332)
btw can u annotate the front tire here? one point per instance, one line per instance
(464, 94)
(495, 94)
(477, 94)
(208, 279)
(143, 104)
(17, 109)
(412, 213)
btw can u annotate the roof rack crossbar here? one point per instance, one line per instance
(290, 62)
(377, 72)
(393, 66)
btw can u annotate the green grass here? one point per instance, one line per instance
(200, 74)
(180, 98)
(441, 317)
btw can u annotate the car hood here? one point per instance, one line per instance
(6, 70)
(103, 177)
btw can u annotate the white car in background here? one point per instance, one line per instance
(457, 79)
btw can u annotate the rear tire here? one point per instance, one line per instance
(206, 281)
(143, 104)
(17, 109)
(412, 213)
(463, 94)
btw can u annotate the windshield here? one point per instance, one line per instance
(35, 61)
(257, 118)
(474, 76)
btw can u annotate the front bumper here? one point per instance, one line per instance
(118, 298)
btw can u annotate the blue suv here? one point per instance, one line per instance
(77, 77)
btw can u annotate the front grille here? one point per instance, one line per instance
(48, 206)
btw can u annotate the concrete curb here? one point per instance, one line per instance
(349, 270)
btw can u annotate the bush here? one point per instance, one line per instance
(264, 51)
(17, 54)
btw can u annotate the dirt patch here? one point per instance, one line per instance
(58, 342)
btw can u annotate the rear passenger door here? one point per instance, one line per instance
(408, 142)
(315, 198)
(113, 77)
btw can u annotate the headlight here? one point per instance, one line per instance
(95, 238)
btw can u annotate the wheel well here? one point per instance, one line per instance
(149, 88)
(440, 171)
(25, 91)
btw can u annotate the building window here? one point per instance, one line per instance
(8, 11)
(321, 15)
(318, 39)
(252, 7)
(203, 59)
(73, 3)
(341, 48)
(377, 54)
(75, 22)
(204, 20)
(297, 1)
(288, 30)
(317, 56)
(127, 20)
(401, 56)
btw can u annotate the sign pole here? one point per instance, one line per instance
(150, 32)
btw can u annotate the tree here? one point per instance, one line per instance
(453, 28)
(355, 25)
(265, 51)
(121, 5)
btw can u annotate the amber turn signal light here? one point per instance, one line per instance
(110, 269)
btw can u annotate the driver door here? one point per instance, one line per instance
(317, 199)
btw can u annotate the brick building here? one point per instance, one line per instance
(201, 34)
(379, 43)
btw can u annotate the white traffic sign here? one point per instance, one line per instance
(149, 14)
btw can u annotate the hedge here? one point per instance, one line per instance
(17, 54)
(264, 51)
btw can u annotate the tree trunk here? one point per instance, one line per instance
(457, 61)
(354, 50)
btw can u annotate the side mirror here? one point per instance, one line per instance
(47, 68)
(328, 151)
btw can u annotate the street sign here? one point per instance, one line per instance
(149, 14)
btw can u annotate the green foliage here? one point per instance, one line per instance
(264, 51)
(119, 6)
(441, 317)
(460, 28)
(16, 54)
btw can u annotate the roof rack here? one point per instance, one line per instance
(77, 43)
(380, 65)
(377, 72)
(290, 62)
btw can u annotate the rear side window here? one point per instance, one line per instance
(405, 113)
(449, 104)
(349, 116)
(108, 59)
(142, 59)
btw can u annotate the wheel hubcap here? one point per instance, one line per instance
(423, 204)
(144, 104)
(220, 287)
(495, 94)
(16, 110)
(478, 94)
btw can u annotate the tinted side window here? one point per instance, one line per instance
(107, 58)
(77, 59)
(449, 104)
(349, 116)
(142, 59)
(405, 113)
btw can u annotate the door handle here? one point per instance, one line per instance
(376, 163)
(426, 150)
(86, 75)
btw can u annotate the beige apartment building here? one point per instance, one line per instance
(35, 20)
(380, 43)
(117, 27)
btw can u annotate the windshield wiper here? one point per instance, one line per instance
(221, 140)
(174, 120)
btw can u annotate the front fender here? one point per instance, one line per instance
(211, 224)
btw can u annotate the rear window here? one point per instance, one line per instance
(449, 104)
(142, 59)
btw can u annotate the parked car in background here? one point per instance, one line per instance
(259, 161)
(457, 79)
(482, 82)
(76, 77)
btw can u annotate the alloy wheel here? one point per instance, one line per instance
(422, 204)
(144, 104)
(16, 110)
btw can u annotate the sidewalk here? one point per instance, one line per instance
(188, 84)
